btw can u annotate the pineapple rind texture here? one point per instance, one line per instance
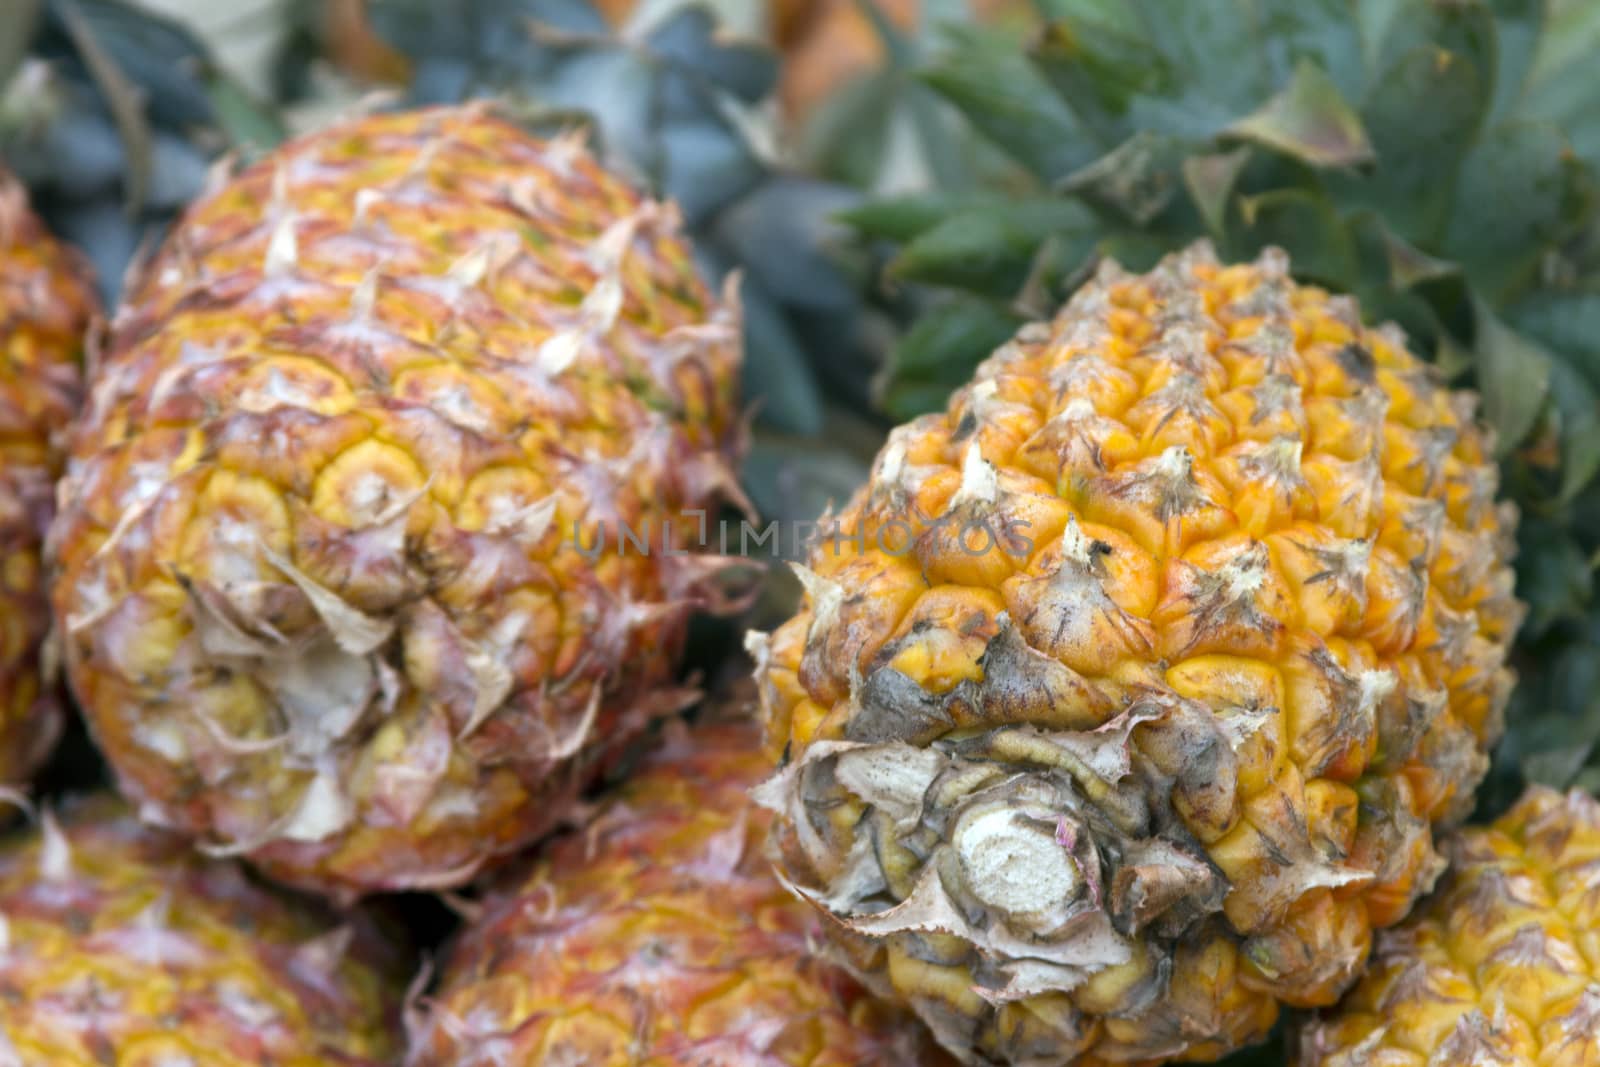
(122, 945)
(342, 568)
(659, 937)
(1500, 968)
(1127, 693)
(46, 303)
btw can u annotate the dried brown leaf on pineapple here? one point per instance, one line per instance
(123, 945)
(341, 563)
(1122, 707)
(46, 304)
(657, 936)
(1500, 968)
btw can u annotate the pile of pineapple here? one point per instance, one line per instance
(1131, 706)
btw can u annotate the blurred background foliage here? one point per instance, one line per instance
(900, 183)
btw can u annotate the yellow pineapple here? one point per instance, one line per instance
(658, 936)
(120, 945)
(375, 540)
(1127, 694)
(1499, 968)
(46, 303)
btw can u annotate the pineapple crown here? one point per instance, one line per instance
(1435, 158)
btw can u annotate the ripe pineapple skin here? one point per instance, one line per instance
(125, 946)
(658, 936)
(46, 305)
(1179, 717)
(318, 571)
(1499, 967)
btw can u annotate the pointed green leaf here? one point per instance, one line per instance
(1310, 121)
(1063, 263)
(783, 234)
(1519, 26)
(1464, 29)
(1325, 31)
(1210, 180)
(248, 122)
(1561, 85)
(1409, 265)
(1007, 100)
(1555, 578)
(901, 218)
(895, 43)
(1136, 180)
(940, 353)
(779, 382)
(1203, 40)
(1513, 376)
(1533, 195)
(982, 252)
(1451, 357)
(847, 138)
(1568, 323)
(1100, 68)
(1421, 118)
(1569, 43)
(990, 247)
(1579, 407)
(933, 147)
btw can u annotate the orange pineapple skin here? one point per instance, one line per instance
(658, 937)
(1499, 967)
(1226, 637)
(125, 946)
(318, 560)
(46, 305)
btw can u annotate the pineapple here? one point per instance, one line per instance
(376, 536)
(45, 306)
(658, 936)
(1500, 967)
(121, 945)
(1127, 693)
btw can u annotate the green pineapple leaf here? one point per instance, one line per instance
(1009, 102)
(1514, 373)
(1210, 179)
(930, 360)
(1364, 139)
(1310, 121)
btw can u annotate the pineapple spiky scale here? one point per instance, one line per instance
(342, 565)
(1499, 968)
(1128, 691)
(46, 303)
(124, 946)
(658, 936)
